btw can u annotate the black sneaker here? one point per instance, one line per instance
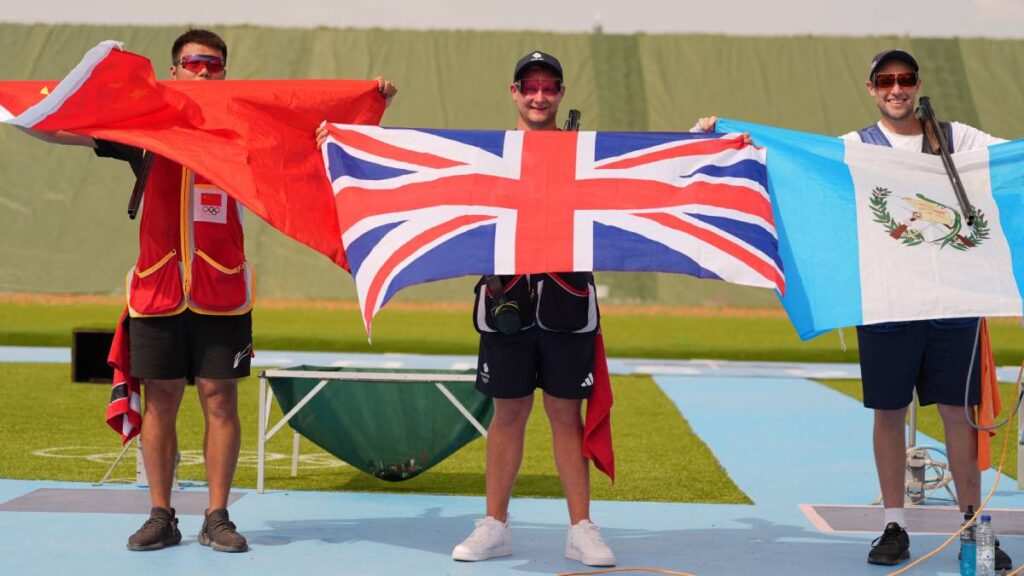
(1003, 561)
(220, 534)
(891, 548)
(159, 531)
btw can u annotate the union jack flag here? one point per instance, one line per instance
(422, 205)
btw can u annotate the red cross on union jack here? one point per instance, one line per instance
(421, 205)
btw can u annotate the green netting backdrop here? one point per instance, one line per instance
(391, 430)
(62, 222)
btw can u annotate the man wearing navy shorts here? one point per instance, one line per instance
(554, 351)
(939, 358)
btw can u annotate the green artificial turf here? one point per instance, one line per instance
(929, 422)
(659, 457)
(54, 429)
(442, 330)
(445, 331)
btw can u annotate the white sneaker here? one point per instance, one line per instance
(489, 539)
(586, 545)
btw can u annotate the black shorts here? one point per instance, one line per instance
(514, 366)
(190, 345)
(933, 356)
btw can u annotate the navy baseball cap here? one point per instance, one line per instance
(537, 58)
(886, 55)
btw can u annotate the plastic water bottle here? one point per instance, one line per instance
(986, 537)
(968, 546)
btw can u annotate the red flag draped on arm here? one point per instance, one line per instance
(597, 427)
(124, 412)
(253, 139)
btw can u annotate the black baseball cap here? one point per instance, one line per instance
(887, 55)
(537, 58)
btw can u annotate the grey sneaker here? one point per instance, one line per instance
(159, 531)
(220, 534)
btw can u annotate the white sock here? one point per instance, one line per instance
(897, 515)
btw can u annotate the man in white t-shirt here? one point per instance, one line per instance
(935, 357)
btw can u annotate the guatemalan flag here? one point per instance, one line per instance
(422, 205)
(873, 234)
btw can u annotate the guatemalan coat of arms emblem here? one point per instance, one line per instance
(915, 220)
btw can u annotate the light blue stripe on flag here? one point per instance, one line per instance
(1006, 172)
(814, 205)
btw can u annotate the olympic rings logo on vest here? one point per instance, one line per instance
(209, 205)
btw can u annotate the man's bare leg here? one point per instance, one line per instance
(962, 450)
(567, 441)
(891, 455)
(505, 439)
(223, 438)
(159, 437)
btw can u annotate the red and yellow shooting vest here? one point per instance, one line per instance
(191, 248)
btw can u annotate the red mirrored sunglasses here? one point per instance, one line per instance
(890, 79)
(549, 86)
(195, 63)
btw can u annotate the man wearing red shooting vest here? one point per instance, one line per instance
(189, 301)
